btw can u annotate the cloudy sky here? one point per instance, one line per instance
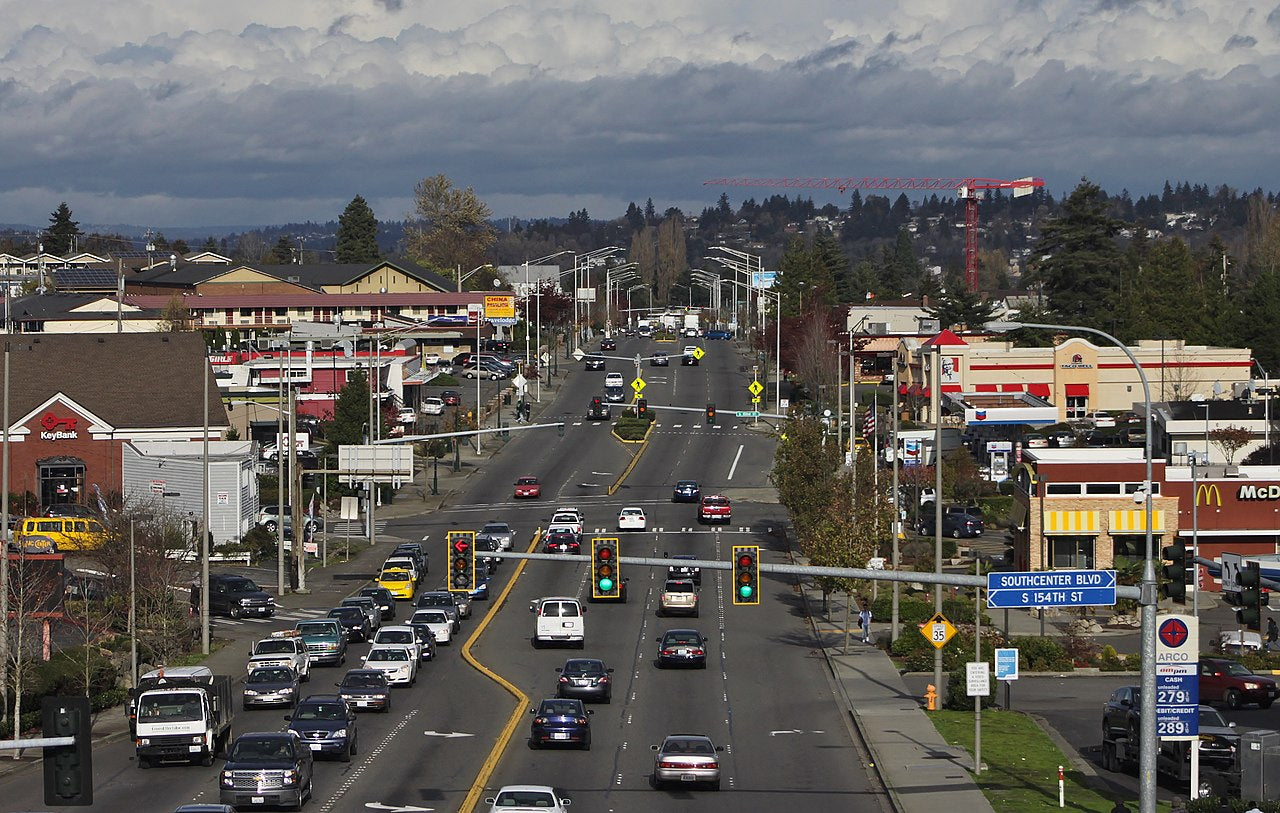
(237, 112)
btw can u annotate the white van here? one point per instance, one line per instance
(558, 620)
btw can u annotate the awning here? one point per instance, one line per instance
(1038, 390)
(1011, 388)
(902, 389)
(1134, 521)
(1077, 390)
(985, 388)
(1073, 523)
(952, 388)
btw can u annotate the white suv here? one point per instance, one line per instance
(613, 380)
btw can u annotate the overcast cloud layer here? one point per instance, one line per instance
(236, 112)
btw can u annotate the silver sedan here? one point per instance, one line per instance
(687, 759)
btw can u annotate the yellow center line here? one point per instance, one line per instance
(522, 700)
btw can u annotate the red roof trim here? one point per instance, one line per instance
(946, 339)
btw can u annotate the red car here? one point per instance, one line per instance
(451, 398)
(1234, 684)
(715, 508)
(528, 487)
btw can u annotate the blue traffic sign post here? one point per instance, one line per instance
(1052, 588)
(1007, 670)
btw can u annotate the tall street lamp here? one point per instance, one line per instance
(527, 289)
(1147, 732)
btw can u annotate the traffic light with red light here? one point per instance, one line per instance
(462, 561)
(642, 408)
(68, 769)
(711, 413)
(605, 579)
(746, 574)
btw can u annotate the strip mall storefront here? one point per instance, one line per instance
(1227, 514)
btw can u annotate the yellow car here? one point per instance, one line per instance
(398, 581)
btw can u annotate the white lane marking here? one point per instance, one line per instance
(736, 457)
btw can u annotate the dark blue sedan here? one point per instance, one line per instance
(682, 648)
(327, 724)
(560, 721)
(686, 491)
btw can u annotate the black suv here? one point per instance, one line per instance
(383, 598)
(594, 362)
(327, 725)
(234, 595)
(267, 767)
(597, 410)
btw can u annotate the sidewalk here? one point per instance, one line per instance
(326, 586)
(922, 773)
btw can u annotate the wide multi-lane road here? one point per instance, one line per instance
(765, 695)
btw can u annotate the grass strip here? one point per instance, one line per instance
(1022, 763)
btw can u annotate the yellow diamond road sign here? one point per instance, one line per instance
(638, 385)
(937, 630)
(698, 353)
(755, 400)
(756, 388)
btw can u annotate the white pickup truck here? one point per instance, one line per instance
(679, 597)
(283, 648)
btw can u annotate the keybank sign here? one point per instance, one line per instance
(1247, 492)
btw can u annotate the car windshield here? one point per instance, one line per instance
(320, 711)
(255, 749)
(269, 676)
(527, 481)
(370, 680)
(496, 528)
(315, 628)
(273, 647)
(394, 576)
(436, 599)
(1211, 718)
(388, 655)
(716, 501)
(681, 638)
(686, 484)
(347, 613)
(583, 667)
(431, 618)
(688, 746)
(240, 585)
(1236, 669)
(395, 637)
(170, 707)
(524, 798)
(561, 708)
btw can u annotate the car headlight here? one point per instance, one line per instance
(226, 779)
(289, 776)
(245, 601)
(250, 693)
(1251, 686)
(341, 733)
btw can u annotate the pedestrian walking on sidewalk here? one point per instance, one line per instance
(1272, 634)
(864, 620)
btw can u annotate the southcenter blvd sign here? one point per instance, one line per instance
(1051, 588)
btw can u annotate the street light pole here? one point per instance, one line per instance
(1147, 732)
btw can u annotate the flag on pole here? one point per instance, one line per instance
(869, 424)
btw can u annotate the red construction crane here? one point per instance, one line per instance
(965, 188)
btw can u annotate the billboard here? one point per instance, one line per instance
(499, 306)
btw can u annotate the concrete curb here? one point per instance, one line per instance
(1079, 763)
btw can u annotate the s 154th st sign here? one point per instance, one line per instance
(1052, 588)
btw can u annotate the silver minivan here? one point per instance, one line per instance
(558, 620)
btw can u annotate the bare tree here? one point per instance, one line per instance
(35, 595)
(671, 253)
(812, 358)
(448, 228)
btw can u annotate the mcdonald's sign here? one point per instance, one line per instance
(1210, 493)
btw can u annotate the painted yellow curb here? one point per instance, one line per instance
(644, 444)
(522, 700)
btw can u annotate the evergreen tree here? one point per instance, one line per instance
(635, 217)
(650, 214)
(1083, 265)
(1259, 329)
(350, 412)
(62, 231)
(961, 307)
(209, 245)
(357, 233)
(282, 253)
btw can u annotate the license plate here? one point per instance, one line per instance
(195, 749)
(559, 735)
(688, 777)
(581, 682)
(257, 800)
(315, 746)
(364, 702)
(682, 652)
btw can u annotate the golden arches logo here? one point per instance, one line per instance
(1210, 493)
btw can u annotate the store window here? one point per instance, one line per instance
(1128, 549)
(61, 480)
(1071, 552)
(1077, 407)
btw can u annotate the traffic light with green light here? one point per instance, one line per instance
(746, 574)
(462, 561)
(1250, 580)
(1175, 582)
(605, 579)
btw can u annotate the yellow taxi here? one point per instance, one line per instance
(399, 581)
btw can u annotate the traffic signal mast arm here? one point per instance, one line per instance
(956, 579)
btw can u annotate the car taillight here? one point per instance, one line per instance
(581, 720)
(603, 679)
(564, 679)
(699, 652)
(539, 720)
(668, 652)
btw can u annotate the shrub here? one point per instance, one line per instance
(445, 381)
(629, 427)
(1036, 654)
(1111, 661)
(957, 699)
(1081, 651)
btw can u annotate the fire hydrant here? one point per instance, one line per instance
(931, 698)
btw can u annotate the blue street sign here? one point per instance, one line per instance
(1177, 701)
(1052, 588)
(1006, 664)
